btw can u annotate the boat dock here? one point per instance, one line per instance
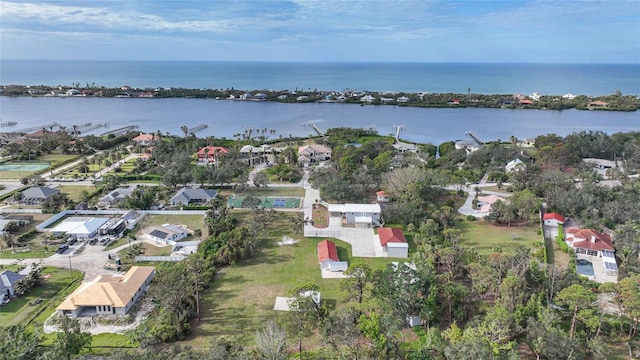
(89, 127)
(198, 128)
(317, 129)
(39, 127)
(121, 130)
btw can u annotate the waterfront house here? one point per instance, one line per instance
(189, 196)
(108, 294)
(393, 242)
(367, 98)
(145, 139)
(313, 153)
(402, 99)
(209, 154)
(598, 104)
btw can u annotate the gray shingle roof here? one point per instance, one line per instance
(8, 278)
(39, 192)
(187, 195)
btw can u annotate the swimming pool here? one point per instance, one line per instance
(584, 267)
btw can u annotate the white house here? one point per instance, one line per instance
(78, 227)
(166, 233)
(313, 153)
(8, 280)
(328, 257)
(553, 219)
(360, 215)
(393, 242)
(514, 165)
(108, 294)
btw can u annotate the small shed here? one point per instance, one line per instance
(553, 219)
(393, 242)
(328, 257)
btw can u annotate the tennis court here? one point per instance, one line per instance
(266, 202)
(27, 167)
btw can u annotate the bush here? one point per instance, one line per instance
(471, 218)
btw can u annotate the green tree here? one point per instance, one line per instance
(357, 279)
(18, 343)
(576, 297)
(271, 342)
(71, 339)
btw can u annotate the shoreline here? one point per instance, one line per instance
(614, 102)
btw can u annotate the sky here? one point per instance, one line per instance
(515, 31)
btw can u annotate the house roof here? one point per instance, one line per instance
(212, 150)
(9, 278)
(355, 208)
(77, 225)
(512, 164)
(589, 239)
(145, 137)
(164, 231)
(553, 216)
(107, 290)
(117, 194)
(327, 251)
(381, 193)
(313, 148)
(387, 235)
(39, 192)
(185, 195)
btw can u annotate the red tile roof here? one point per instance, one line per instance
(582, 239)
(381, 193)
(327, 251)
(553, 216)
(391, 235)
(211, 151)
(146, 137)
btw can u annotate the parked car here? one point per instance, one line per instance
(71, 241)
(62, 249)
(93, 241)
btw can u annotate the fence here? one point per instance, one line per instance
(160, 258)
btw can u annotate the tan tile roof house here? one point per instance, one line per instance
(108, 294)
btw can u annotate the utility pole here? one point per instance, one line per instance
(70, 269)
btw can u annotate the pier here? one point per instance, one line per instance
(317, 129)
(88, 127)
(40, 127)
(474, 137)
(121, 130)
(8, 123)
(198, 128)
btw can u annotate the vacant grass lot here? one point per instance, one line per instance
(23, 309)
(268, 191)
(242, 297)
(74, 191)
(484, 237)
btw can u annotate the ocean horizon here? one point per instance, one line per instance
(482, 78)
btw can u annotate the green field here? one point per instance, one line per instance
(23, 309)
(74, 192)
(242, 297)
(484, 237)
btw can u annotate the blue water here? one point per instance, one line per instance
(556, 79)
(226, 118)
(584, 267)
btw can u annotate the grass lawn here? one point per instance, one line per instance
(192, 221)
(273, 192)
(74, 191)
(320, 217)
(57, 285)
(242, 297)
(56, 158)
(483, 236)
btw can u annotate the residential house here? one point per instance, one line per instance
(8, 281)
(598, 104)
(108, 294)
(568, 96)
(553, 219)
(73, 92)
(467, 145)
(189, 196)
(360, 215)
(402, 147)
(313, 153)
(485, 202)
(116, 196)
(382, 196)
(402, 99)
(367, 98)
(166, 233)
(209, 154)
(78, 227)
(514, 165)
(145, 139)
(328, 257)
(393, 242)
(593, 244)
(37, 195)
